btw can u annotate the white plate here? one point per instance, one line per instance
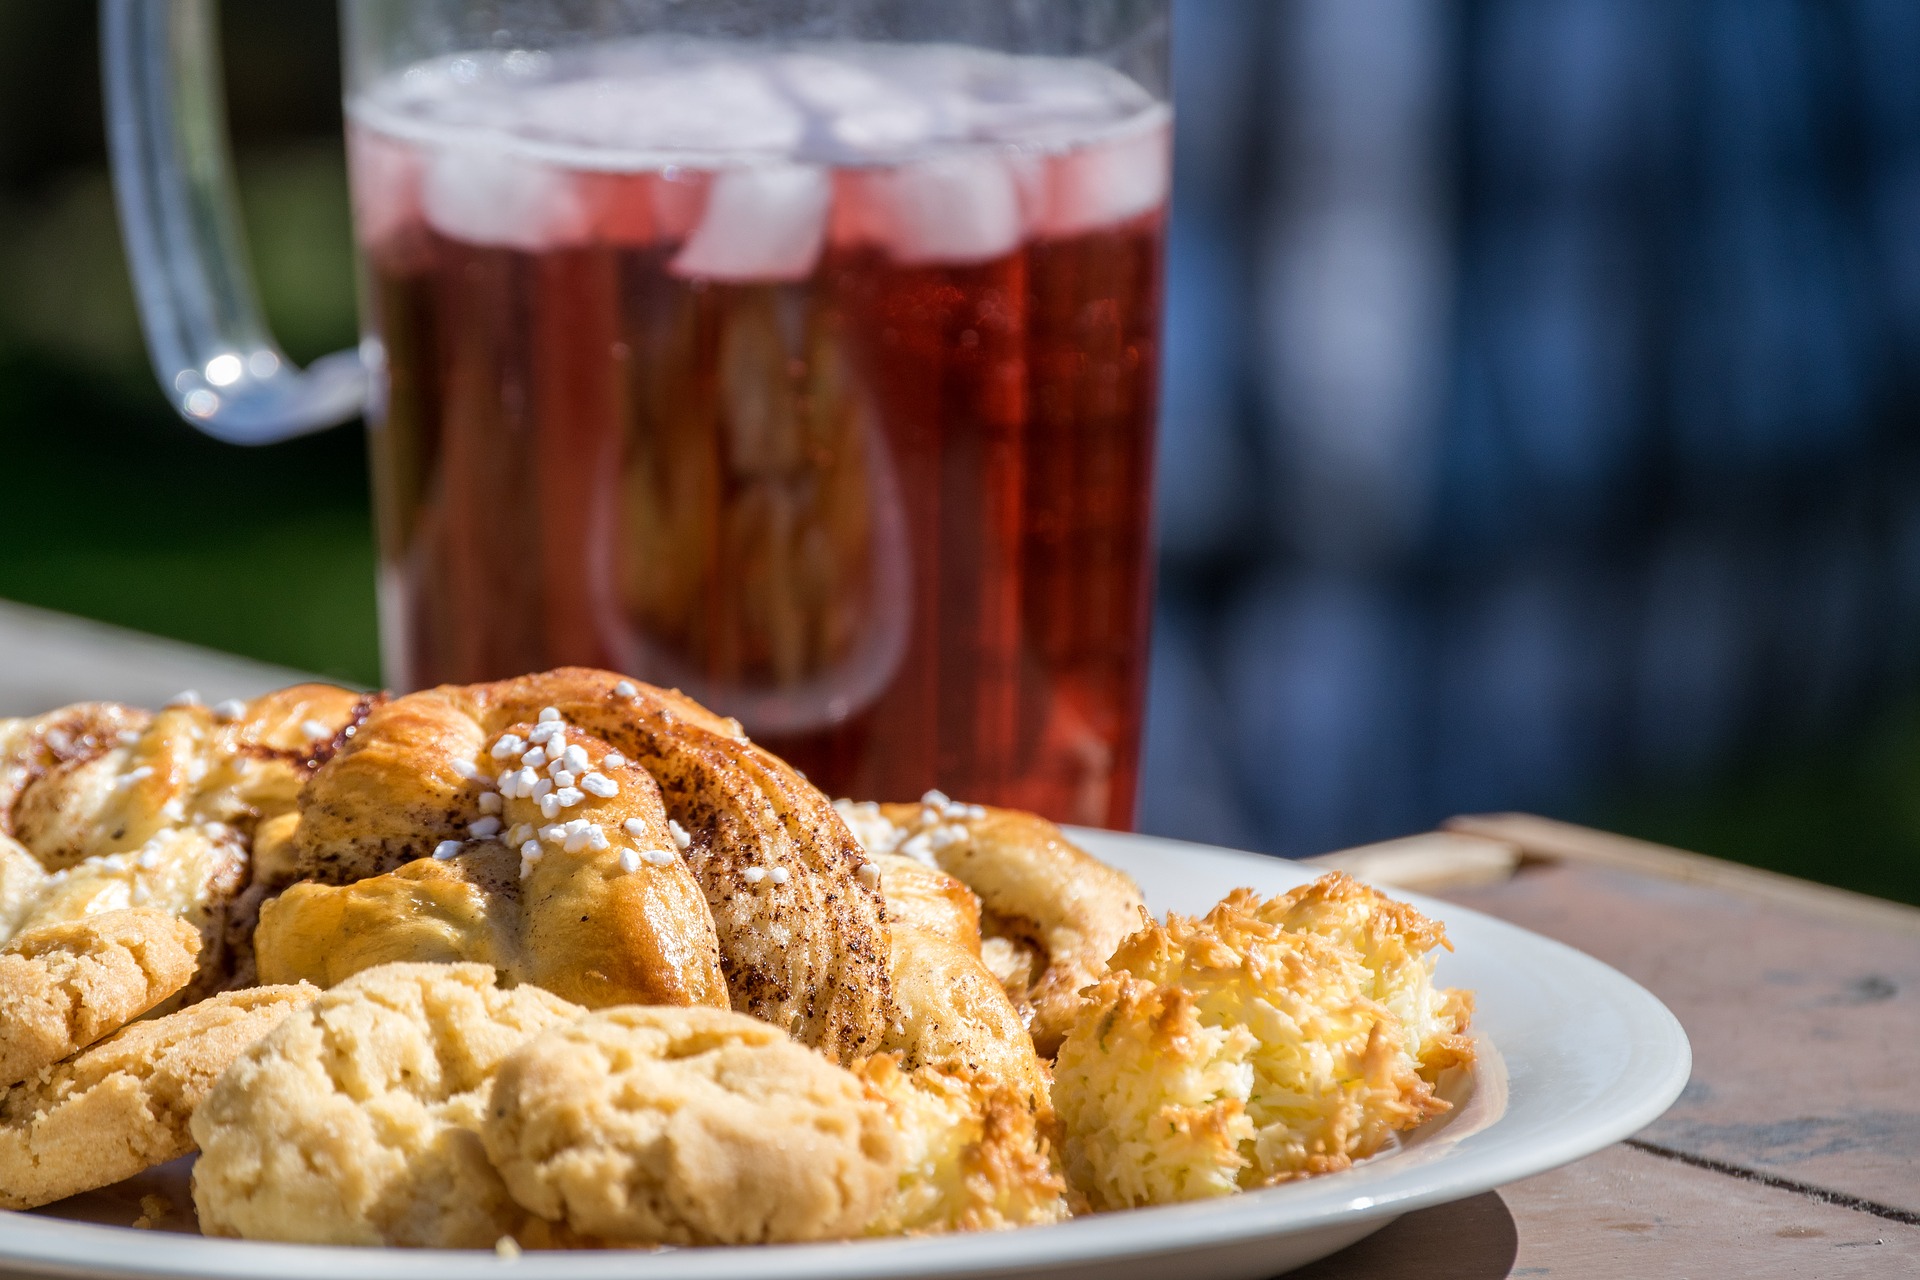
(1573, 1057)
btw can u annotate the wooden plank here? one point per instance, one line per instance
(50, 659)
(1804, 1027)
(1426, 863)
(1623, 1212)
(1563, 841)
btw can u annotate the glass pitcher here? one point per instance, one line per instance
(801, 354)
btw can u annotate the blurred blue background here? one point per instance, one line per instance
(1540, 388)
(1539, 424)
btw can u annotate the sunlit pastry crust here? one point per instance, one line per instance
(121, 809)
(1057, 912)
(191, 873)
(968, 1093)
(120, 777)
(595, 922)
(319, 835)
(22, 881)
(923, 897)
(427, 911)
(33, 746)
(802, 943)
(956, 1017)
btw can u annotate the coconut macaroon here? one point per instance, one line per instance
(976, 1155)
(1234, 1051)
(1398, 946)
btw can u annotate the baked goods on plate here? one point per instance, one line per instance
(567, 962)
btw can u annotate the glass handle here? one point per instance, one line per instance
(173, 181)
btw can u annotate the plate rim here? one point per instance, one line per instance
(1660, 1053)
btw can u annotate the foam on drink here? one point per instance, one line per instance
(960, 153)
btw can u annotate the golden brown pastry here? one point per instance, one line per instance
(1052, 913)
(595, 843)
(123, 1105)
(955, 1016)
(120, 808)
(688, 1126)
(968, 1093)
(923, 897)
(357, 1120)
(22, 881)
(99, 779)
(33, 746)
(63, 986)
(802, 941)
(190, 873)
(429, 911)
(591, 901)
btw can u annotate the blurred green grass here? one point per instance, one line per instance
(127, 516)
(1845, 813)
(120, 512)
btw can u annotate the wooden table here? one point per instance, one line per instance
(1795, 1151)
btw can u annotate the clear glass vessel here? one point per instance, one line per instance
(799, 355)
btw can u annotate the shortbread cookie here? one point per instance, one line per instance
(123, 1105)
(689, 1126)
(63, 986)
(356, 1121)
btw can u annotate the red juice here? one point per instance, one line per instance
(837, 414)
